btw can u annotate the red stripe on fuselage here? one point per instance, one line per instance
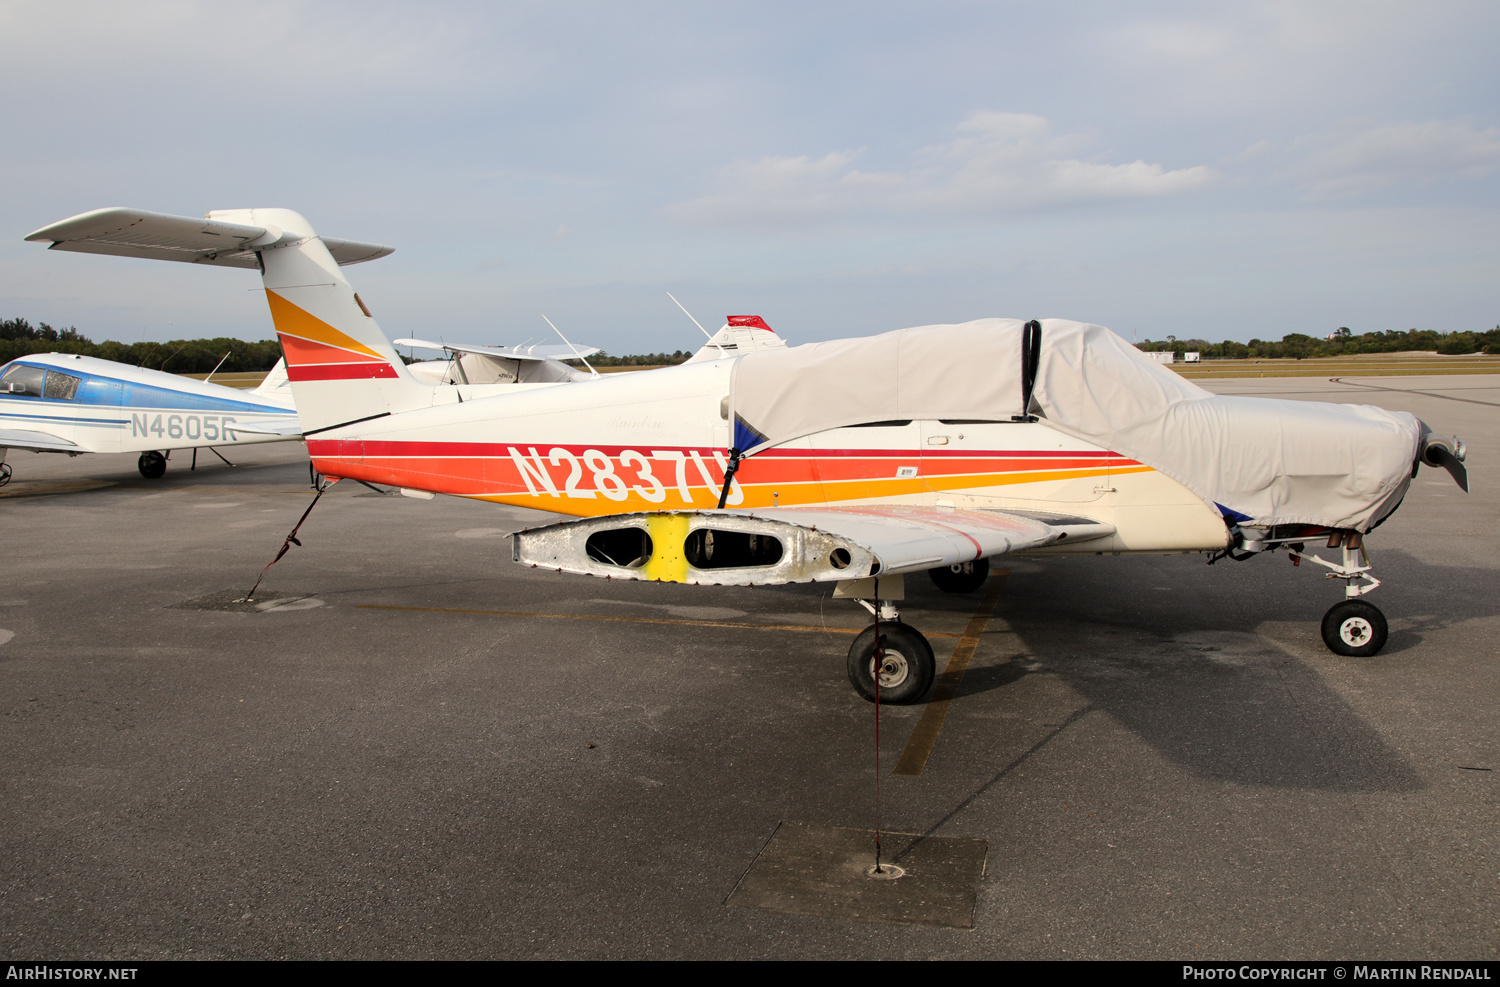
(341, 371)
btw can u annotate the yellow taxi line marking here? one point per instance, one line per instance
(924, 736)
(804, 628)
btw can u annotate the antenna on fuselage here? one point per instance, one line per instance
(216, 367)
(570, 345)
(696, 323)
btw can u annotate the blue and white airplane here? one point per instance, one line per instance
(59, 402)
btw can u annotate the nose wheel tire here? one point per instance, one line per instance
(152, 465)
(965, 577)
(1355, 629)
(906, 664)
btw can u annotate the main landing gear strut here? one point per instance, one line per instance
(895, 651)
(902, 655)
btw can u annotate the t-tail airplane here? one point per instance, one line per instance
(855, 461)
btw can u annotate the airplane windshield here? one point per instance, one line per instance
(20, 380)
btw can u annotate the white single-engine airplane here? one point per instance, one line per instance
(854, 461)
(472, 364)
(61, 402)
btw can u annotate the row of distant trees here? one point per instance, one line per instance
(602, 359)
(1344, 343)
(188, 356)
(182, 356)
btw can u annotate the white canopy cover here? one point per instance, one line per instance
(1258, 460)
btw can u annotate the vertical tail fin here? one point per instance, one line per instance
(276, 385)
(341, 366)
(740, 334)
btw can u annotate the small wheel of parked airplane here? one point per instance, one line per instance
(4, 474)
(1355, 629)
(906, 669)
(152, 465)
(965, 577)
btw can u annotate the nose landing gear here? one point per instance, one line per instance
(965, 577)
(1353, 628)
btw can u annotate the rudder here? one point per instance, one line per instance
(341, 366)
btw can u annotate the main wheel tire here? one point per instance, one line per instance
(1355, 629)
(965, 577)
(152, 465)
(907, 668)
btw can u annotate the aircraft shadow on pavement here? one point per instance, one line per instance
(1207, 687)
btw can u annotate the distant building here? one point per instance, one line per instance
(1162, 356)
(1192, 358)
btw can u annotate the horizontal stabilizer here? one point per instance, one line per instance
(275, 426)
(158, 236)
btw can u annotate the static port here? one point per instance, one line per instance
(709, 548)
(628, 548)
(839, 558)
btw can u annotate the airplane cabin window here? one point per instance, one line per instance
(22, 381)
(62, 387)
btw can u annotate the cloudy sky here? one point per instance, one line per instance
(1217, 170)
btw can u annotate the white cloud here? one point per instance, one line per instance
(1004, 163)
(1352, 161)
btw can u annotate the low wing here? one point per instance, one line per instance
(273, 426)
(911, 539)
(19, 438)
(787, 545)
(158, 236)
(535, 351)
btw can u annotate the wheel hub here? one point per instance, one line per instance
(893, 669)
(1355, 631)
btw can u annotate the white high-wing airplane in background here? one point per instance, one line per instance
(65, 403)
(853, 461)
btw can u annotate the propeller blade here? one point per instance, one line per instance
(1439, 450)
(1452, 464)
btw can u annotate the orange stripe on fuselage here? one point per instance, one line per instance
(590, 482)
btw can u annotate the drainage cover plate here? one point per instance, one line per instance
(825, 870)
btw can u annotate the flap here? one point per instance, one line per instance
(910, 539)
